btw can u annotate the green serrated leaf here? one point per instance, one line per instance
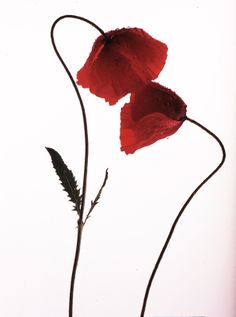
(66, 177)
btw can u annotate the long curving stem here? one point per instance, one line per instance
(86, 153)
(181, 212)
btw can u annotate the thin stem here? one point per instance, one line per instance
(79, 97)
(86, 152)
(75, 264)
(181, 212)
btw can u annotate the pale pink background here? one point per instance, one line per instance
(144, 191)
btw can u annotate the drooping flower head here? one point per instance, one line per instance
(153, 113)
(122, 63)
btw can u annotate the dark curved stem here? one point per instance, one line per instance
(86, 154)
(79, 97)
(181, 212)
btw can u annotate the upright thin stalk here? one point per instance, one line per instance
(86, 153)
(181, 212)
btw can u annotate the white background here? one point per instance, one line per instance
(145, 190)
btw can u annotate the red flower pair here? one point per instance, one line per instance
(126, 62)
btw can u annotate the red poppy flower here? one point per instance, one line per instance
(128, 59)
(154, 112)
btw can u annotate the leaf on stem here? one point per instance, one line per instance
(95, 201)
(67, 178)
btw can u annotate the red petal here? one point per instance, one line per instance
(153, 113)
(157, 98)
(114, 68)
(150, 129)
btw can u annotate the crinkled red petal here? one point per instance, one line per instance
(151, 115)
(122, 64)
(156, 98)
(147, 131)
